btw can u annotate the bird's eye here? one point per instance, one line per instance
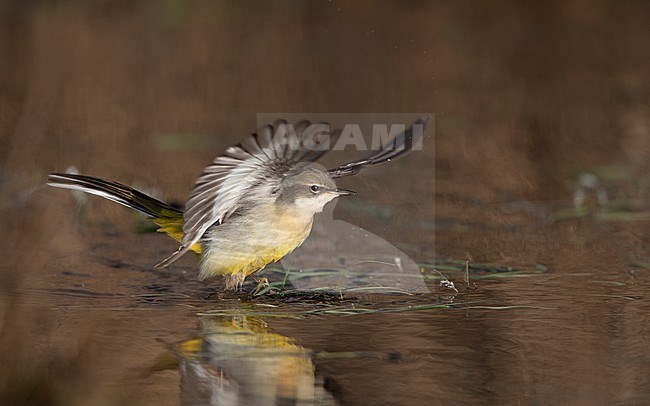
(314, 188)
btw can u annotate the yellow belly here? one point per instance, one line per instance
(244, 246)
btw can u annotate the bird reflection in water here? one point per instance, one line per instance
(238, 360)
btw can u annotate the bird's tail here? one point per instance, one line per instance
(168, 218)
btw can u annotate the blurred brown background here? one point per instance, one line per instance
(525, 95)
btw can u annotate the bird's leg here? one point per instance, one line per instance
(234, 281)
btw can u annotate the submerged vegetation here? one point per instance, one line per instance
(278, 281)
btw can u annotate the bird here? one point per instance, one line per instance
(253, 204)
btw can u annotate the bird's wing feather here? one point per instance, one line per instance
(260, 160)
(399, 145)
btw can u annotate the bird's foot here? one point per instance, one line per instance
(262, 284)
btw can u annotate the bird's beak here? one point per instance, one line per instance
(344, 192)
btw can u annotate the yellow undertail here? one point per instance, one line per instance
(171, 223)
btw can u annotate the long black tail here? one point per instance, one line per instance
(115, 192)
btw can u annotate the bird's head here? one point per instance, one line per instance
(308, 191)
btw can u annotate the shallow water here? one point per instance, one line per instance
(524, 336)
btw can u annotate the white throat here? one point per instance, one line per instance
(309, 206)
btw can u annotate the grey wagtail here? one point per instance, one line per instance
(255, 203)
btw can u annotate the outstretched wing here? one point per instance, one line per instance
(400, 145)
(261, 160)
